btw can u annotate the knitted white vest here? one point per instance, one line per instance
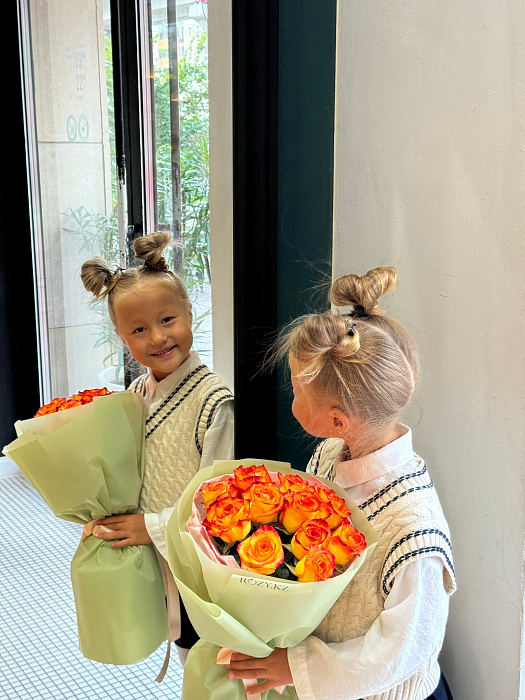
(174, 436)
(409, 518)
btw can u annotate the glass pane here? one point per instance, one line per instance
(72, 165)
(180, 118)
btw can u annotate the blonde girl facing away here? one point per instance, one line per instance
(189, 420)
(352, 376)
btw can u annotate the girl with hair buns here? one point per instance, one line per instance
(352, 375)
(189, 421)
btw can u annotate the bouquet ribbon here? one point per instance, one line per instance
(173, 610)
(223, 659)
(92, 528)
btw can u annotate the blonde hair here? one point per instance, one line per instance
(104, 282)
(362, 361)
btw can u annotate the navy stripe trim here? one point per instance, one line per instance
(422, 550)
(176, 405)
(392, 485)
(186, 379)
(211, 415)
(396, 498)
(417, 533)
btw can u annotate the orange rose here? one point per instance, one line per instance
(305, 505)
(291, 482)
(262, 552)
(309, 534)
(266, 502)
(219, 489)
(346, 543)
(73, 401)
(228, 519)
(317, 565)
(244, 477)
(51, 407)
(337, 506)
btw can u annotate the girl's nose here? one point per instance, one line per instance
(158, 336)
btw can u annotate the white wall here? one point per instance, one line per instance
(221, 184)
(430, 177)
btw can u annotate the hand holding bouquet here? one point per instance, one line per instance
(244, 587)
(87, 463)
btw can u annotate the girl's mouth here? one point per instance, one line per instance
(163, 353)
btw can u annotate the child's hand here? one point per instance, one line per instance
(128, 529)
(274, 668)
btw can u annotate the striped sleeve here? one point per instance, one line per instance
(423, 542)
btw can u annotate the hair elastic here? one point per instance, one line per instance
(359, 312)
(351, 330)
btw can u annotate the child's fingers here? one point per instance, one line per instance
(113, 535)
(123, 543)
(112, 520)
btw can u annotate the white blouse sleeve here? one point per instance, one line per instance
(404, 636)
(217, 444)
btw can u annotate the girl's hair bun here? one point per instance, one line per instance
(364, 292)
(98, 278)
(149, 248)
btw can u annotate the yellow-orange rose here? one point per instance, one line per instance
(317, 565)
(218, 489)
(244, 477)
(346, 543)
(291, 482)
(262, 552)
(228, 519)
(305, 505)
(266, 502)
(310, 534)
(337, 506)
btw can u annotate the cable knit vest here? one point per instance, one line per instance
(174, 436)
(409, 518)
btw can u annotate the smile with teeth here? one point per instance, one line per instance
(161, 353)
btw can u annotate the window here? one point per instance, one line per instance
(101, 97)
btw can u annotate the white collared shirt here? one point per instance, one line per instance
(217, 444)
(412, 623)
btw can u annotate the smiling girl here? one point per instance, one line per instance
(189, 421)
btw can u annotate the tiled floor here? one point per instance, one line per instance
(39, 657)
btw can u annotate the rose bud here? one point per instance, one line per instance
(228, 519)
(309, 534)
(266, 502)
(346, 543)
(244, 477)
(337, 506)
(317, 565)
(51, 407)
(305, 505)
(262, 552)
(291, 482)
(218, 489)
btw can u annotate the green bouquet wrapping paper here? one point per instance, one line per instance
(87, 463)
(240, 610)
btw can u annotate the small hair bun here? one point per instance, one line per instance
(98, 278)
(150, 248)
(364, 292)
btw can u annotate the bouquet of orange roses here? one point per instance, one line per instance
(260, 553)
(85, 457)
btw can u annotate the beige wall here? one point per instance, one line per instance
(221, 185)
(73, 162)
(430, 177)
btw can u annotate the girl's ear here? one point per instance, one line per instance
(190, 313)
(340, 421)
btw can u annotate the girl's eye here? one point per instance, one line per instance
(139, 329)
(167, 319)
